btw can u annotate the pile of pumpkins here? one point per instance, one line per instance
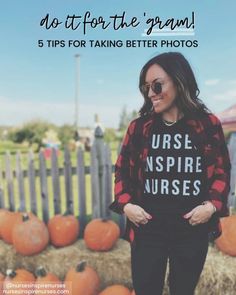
(83, 278)
(29, 235)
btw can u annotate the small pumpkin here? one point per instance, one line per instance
(14, 278)
(30, 235)
(101, 234)
(82, 280)
(48, 279)
(115, 290)
(63, 229)
(227, 241)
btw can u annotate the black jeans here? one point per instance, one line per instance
(166, 238)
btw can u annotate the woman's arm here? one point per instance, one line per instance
(219, 189)
(123, 191)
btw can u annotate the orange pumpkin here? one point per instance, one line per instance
(101, 234)
(18, 277)
(3, 212)
(30, 235)
(8, 221)
(227, 241)
(115, 290)
(2, 278)
(82, 280)
(44, 278)
(63, 229)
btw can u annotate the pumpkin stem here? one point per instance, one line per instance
(81, 266)
(41, 272)
(25, 217)
(104, 219)
(10, 273)
(67, 212)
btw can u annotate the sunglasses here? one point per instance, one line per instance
(155, 86)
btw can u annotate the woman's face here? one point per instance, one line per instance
(164, 101)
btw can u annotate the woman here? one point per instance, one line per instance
(171, 179)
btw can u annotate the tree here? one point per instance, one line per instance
(125, 118)
(66, 133)
(32, 131)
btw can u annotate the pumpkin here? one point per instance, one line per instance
(8, 220)
(44, 278)
(101, 234)
(63, 229)
(227, 241)
(30, 235)
(115, 290)
(82, 280)
(18, 277)
(3, 212)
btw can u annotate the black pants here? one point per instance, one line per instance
(164, 239)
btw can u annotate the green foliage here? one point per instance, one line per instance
(110, 135)
(126, 117)
(66, 133)
(31, 132)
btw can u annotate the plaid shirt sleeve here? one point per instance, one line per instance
(123, 194)
(219, 190)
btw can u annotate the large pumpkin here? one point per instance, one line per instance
(227, 241)
(101, 234)
(18, 277)
(8, 221)
(82, 280)
(3, 213)
(115, 290)
(63, 229)
(30, 235)
(47, 282)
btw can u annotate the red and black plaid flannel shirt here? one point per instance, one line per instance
(206, 133)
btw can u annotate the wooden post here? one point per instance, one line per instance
(43, 186)
(100, 153)
(68, 182)
(80, 169)
(9, 179)
(32, 180)
(56, 182)
(108, 182)
(232, 153)
(94, 183)
(20, 180)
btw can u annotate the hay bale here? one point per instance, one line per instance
(113, 267)
(219, 274)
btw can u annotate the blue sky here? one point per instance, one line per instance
(41, 82)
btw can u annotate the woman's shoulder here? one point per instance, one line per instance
(139, 121)
(206, 118)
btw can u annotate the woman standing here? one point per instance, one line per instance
(171, 179)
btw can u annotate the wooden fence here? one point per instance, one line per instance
(100, 171)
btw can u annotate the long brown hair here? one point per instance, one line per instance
(179, 69)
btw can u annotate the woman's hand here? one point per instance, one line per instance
(200, 214)
(136, 214)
